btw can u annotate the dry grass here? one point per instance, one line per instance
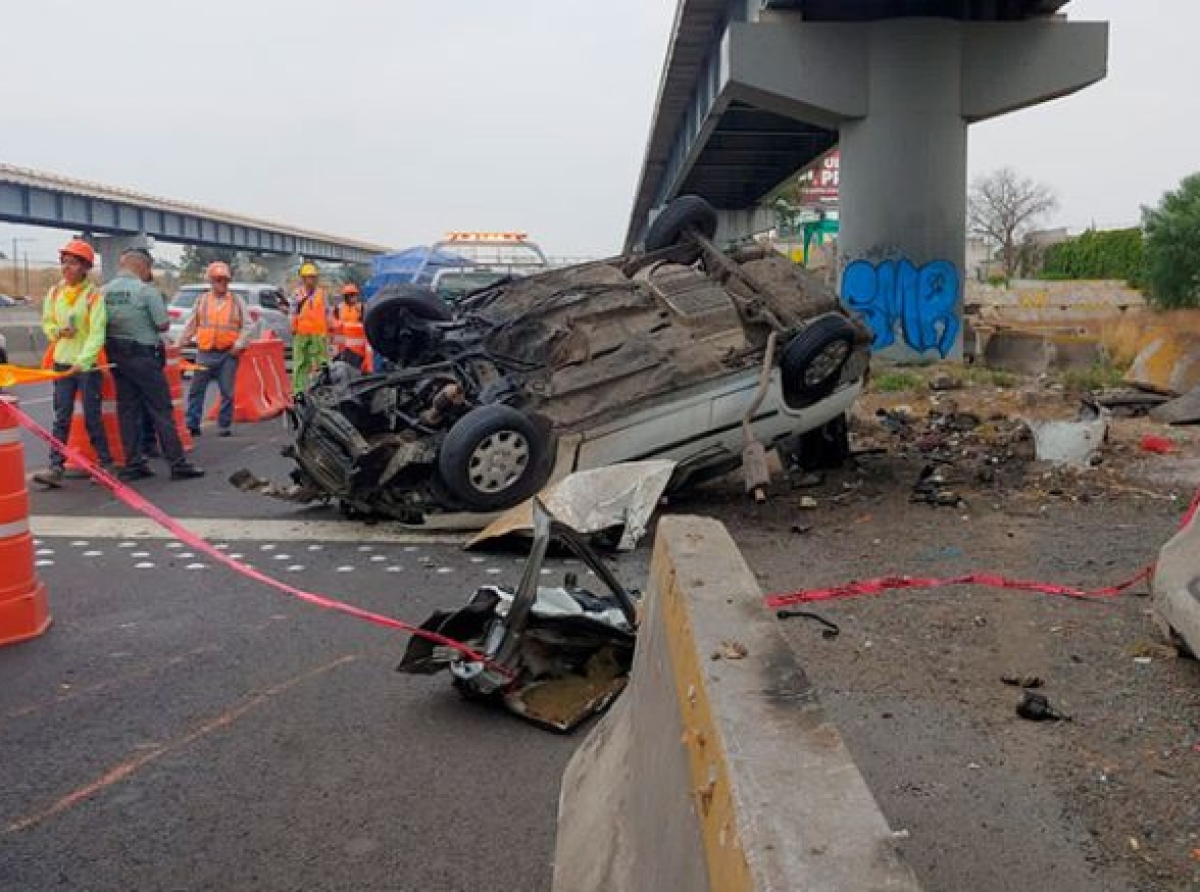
(1124, 336)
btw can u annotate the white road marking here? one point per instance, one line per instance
(143, 565)
(43, 562)
(345, 569)
(238, 530)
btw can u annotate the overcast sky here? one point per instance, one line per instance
(396, 121)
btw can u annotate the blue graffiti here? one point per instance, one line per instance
(925, 302)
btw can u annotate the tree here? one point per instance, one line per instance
(1173, 246)
(195, 261)
(1003, 208)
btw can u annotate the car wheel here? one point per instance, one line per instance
(685, 213)
(813, 360)
(389, 319)
(495, 457)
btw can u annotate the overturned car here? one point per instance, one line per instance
(658, 355)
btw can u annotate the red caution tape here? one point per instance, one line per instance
(143, 506)
(871, 587)
(991, 580)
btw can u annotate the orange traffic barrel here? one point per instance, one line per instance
(261, 390)
(24, 610)
(175, 385)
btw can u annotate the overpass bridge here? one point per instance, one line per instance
(754, 90)
(113, 219)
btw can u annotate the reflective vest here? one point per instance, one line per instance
(218, 323)
(347, 313)
(76, 311)
(354, 338)
(310, 315)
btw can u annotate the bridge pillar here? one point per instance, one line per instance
(109, 247)
(902, 93)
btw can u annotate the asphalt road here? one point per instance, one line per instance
(181, 727)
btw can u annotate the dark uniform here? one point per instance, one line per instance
(136, 315)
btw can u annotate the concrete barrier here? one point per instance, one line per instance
(1036, 353)
(1176, 589)
(1168, 362)
(718, 774)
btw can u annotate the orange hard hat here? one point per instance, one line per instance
(77, 247)
(218, 269)
(350, 289)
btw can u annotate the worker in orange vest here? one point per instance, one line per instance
(312, 320)
(350, 333)
(221, 326)
(75, 318)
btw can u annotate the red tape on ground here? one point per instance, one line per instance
(871, 587)
(149, 509)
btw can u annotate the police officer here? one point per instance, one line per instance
(136, 317)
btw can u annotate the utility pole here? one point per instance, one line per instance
(16, 264)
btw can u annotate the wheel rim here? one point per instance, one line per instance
(826, 363)
(498, 461)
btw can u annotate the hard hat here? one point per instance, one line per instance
(309, 269)
(349, 289)
(218, 269)
(77, 247)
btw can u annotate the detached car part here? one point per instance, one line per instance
(554, 654)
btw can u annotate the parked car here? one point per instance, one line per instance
(657, 355)
(266, 303)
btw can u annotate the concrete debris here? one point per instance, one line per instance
(1183, 410)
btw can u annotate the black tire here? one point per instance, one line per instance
(684, 213)
(521, 458)
(813, 360)
(389, 316)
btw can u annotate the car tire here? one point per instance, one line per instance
(813, 360)
(672, 225)
(389, 315)
(495, 457)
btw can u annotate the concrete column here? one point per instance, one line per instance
(902, 92)
(904, 192)
(109, 247)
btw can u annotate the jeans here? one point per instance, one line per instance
(143, 392)
(222, 366)
(88, 385)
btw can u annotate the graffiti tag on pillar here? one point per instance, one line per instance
(894, 295)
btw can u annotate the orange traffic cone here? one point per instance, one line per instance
(78, 437)
(24, 611)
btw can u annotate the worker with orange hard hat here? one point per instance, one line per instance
(74, 318)
(221, 326)
(350, 332)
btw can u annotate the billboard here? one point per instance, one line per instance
(817, 185)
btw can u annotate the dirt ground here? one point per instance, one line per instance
(989, 800)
